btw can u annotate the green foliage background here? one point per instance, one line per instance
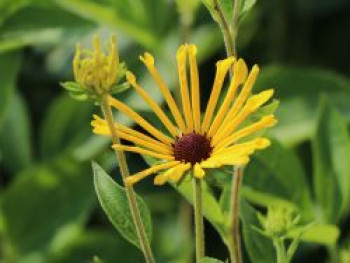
(49, 210)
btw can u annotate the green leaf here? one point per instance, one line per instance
(246, 6)
(331, 154)
(299, 90)
(96, 243)
(46, 205)
(318, 233)
(114, 202)
(259, 247)
(211, 210)
(227, 8)
(276, 172)
(47, 24)
(15, 137)
(129, 16)
(211, 260)
(9, 63)
(66, 126)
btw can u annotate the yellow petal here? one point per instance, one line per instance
(173, 174)
(185, 96)
(246, 90)
(198, 171)
(139, 120)
(264, 122)
(154, 169)
(222, 68)
(148, 60)
(154, 106)
(253, 103)
(239, 75)
(143, 151)
(195, 94)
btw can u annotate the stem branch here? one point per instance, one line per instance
(280, 250)
(140, 230)
(198, 218)
(236, 255)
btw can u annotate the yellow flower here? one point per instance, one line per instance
(193, 142)
(94, 70)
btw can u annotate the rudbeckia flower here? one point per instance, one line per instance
(94, 70)
(193, 142)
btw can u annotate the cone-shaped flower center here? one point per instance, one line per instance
(192, 148)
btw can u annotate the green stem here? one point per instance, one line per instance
(198, 218)
(236, 251)
(280, 250)
(140, 230)
(234, 24)
(225, 29)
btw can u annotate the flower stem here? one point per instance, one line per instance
(236, 255)
(225, 29)
(280, 250)
(198, 218)
(234, 25)
(140, 230)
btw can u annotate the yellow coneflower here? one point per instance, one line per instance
(94, 70)
(193, 142)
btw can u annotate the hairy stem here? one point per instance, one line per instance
(140, 230)
(225, 29)
(198, 218)
(236, 252)
(234, 24)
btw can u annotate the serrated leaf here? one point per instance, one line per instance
(331, 154)
(114, 202)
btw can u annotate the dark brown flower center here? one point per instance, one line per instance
(192, 148)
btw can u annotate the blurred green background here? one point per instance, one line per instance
(49, 210)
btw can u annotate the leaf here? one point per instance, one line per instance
(246, 6)
(45, 202)
(103, 244)
(227, 8)
(15, 137)
(318, 233)
(299, 90)
(211, 260)
(10, 62)
(277, 172)
(331, 154)
(211, 208)
(47, 24)
(259, 247)
(66, 126)
(118, 14)
(114, 202)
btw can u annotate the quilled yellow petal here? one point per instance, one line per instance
(222, 68)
